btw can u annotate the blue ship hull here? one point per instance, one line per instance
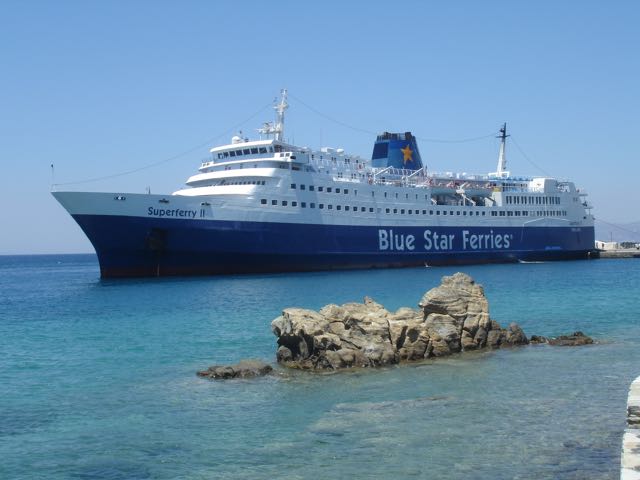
(136, 246)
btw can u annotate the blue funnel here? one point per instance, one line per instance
(398, 150)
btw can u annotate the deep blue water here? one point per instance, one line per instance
(97, 378)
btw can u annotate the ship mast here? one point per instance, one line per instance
(502, 159)
(277, 130)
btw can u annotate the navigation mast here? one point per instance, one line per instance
(277, 130)
(502, 159)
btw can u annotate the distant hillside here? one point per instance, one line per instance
(624, 232)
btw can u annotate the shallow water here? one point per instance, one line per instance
(97, 378)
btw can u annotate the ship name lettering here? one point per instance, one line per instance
(438, 241)
(485, 241)
(387, 240)
(171, 212)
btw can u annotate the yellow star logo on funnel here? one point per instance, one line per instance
(407, 152)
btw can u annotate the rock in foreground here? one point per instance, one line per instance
(243, 369)
(451, 318)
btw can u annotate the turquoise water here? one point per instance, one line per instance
(97, 378)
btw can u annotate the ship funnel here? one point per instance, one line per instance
(397, 150)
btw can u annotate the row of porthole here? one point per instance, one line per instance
(401, 211)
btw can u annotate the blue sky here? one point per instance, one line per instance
(98, 88)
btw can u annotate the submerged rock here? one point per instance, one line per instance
(573, 340)
(452, 318)
(243, 369)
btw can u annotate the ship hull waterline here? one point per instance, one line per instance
(129, 246)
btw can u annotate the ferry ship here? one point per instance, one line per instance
(269, 206)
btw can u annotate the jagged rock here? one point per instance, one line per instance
(243, 369)
(573, 340)
(451, 318)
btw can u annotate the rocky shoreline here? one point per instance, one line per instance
(450, 319)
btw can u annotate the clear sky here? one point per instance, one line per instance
(99, 88)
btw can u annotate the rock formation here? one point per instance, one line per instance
(573, 340)
(243, 369)
(451, 318)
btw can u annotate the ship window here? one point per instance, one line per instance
(321, 206)
(387, 210)
(238, 153)
(293, 185)
(232, 153)
(346, 191)
(346, 207)
(337, 190)
(502, 214)
(328, 189)
(385, 194)
(410, 212)
(509, 213)
(263, 201)
(311, 188)
(312, 205)
(430, 212)
(329, 207)
(395, 210)
(294, 204)
(493, 214)
(246, 151)
(303, 204)
(370, 209)
(396, 194)
(437, 212)
(302, 187)
(401, 211)
(517, 213)
(274, 202)
(254, 151)
(363, 209)
(262, 150)
(464, 213)
(458, 212)
(284, 203)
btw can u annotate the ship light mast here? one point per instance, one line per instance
(277, 130)
(501, 170)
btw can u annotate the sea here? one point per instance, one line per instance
(98, 378)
